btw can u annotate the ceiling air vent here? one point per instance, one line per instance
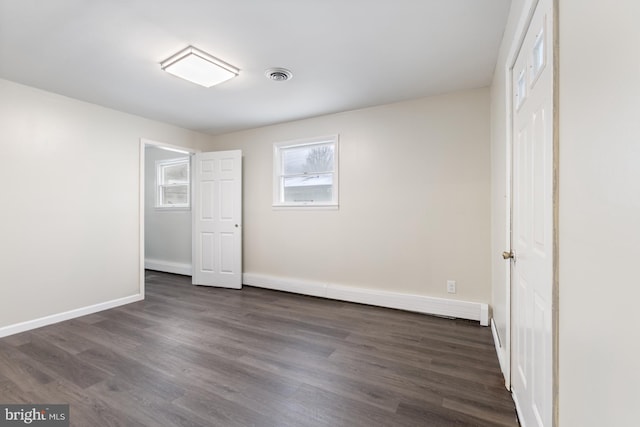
(278, 74)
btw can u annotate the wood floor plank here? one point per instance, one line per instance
(200, 356)
(64, 364)
(323, 377)
(20, 369)
(488, 413)
(319, 407)
(85, 408)
(223, 412)
(60, 336)
(433, 415)
(101, 336)
(414, 382)
(217, 384)
(156, 382)
(11, 393)
(265, 334)
(236, 374)
(285, 325)
(149, 409)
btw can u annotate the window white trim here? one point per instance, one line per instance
(159, 202)
(278, 191)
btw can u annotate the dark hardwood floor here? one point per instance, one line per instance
(196, 356)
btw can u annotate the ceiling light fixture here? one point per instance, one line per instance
(199, 67)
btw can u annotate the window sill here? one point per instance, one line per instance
(172, 209)
(326, 207)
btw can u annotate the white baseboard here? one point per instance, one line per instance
(521, 421)
(418, 303)
(167, 266)
(499, 351)
(67, 315)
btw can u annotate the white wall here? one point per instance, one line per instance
(500, 159)
(414, 200)
(167, 231)
(599, 213)
(69, 223)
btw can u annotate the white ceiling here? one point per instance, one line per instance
(344, 54)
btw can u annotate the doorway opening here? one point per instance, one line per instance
(190, 206)
(166, 197)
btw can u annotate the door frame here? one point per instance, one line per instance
(520, 34)
(144, 142)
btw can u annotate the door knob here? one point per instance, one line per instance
(507, 255)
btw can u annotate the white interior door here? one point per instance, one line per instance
(532, 216)
(217, 215)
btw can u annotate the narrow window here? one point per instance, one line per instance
(172, 182)
(306, 173)
(538, 56)
(521, 89)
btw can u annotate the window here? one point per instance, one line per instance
(172, 182)
(521, 89)
(539, 56)
(306, 173)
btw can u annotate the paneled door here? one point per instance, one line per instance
(532, 226)
(217, 215)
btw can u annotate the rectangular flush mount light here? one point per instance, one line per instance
(199, 67)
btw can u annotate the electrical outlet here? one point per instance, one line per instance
(451, 286)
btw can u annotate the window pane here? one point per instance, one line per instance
(176, 174)
(308, 159)
(175, 195)
(313, 188)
